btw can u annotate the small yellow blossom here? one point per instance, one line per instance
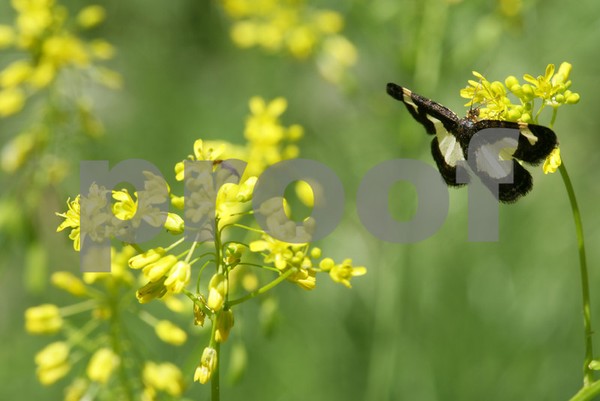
(169, 333)
(224, 324)
(52, 363)
(72, 220)
(16, 152)
(163, 377)
(144, 259)
(7, 36)
(91, 16)
(343, 272)
(15, 73)
(43, 319)
(178, 277)
(101, 365)
(102, 50)
(208, 364)
(76, 390)
(11, 101)
(552, 162)
(68, 282)
(152, 290)
(217, 291)
(157, 270)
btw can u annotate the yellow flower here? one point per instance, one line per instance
(178, 277)
(157, 270)
(7, 36)
(169, 333)
(208, 364)
(552, 162)
(34, 16)
(17, 72)
(17, 151)
(343, 272)
(328, 21)
(101, 365)
(164, 377)
(43, 319)
(68, 282)
(91, 16)
(72, 220)
(224, 324)
(65, 49)
(102, 50)
(11, 101)
(144, 259)
(42, 75)
(152, 290)
(52, 363)
(217, 291)
(76, 390)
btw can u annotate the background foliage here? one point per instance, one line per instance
(443, 319)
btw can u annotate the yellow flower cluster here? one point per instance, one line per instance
(220, 194)
(552, 89)
(42, 33)
(294, 27)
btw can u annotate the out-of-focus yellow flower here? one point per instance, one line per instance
(11, 101)
(76, 390)
(43, 319)
(102, 50)
(163, 377)
(65, 49)
(16, 152)
(91, 16)
(52, 363)
(101, 365)
(68, 282)
(15, 73)
(7, 36)
(169, 333)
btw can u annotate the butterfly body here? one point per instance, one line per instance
(453, 136)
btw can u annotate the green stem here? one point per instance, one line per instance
(116, 342)
(588, 374)
(215, 389)
(586, 393)
(261, 290)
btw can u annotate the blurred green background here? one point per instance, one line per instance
(443, 319)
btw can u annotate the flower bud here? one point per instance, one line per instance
(217, 290)
(224, 324)
(43, 319)
(158, 269)
(208, 364)
(101, 365)
(174, 223)
(68, 282)
(144, 259)
(169, 333)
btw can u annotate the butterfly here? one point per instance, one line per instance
(453, 135)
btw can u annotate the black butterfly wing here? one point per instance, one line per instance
(433, 116)
(439, 121)
(535, 141)
(533, 145)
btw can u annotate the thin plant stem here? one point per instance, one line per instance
(261, 290)
(588, 374)
(215, 388)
